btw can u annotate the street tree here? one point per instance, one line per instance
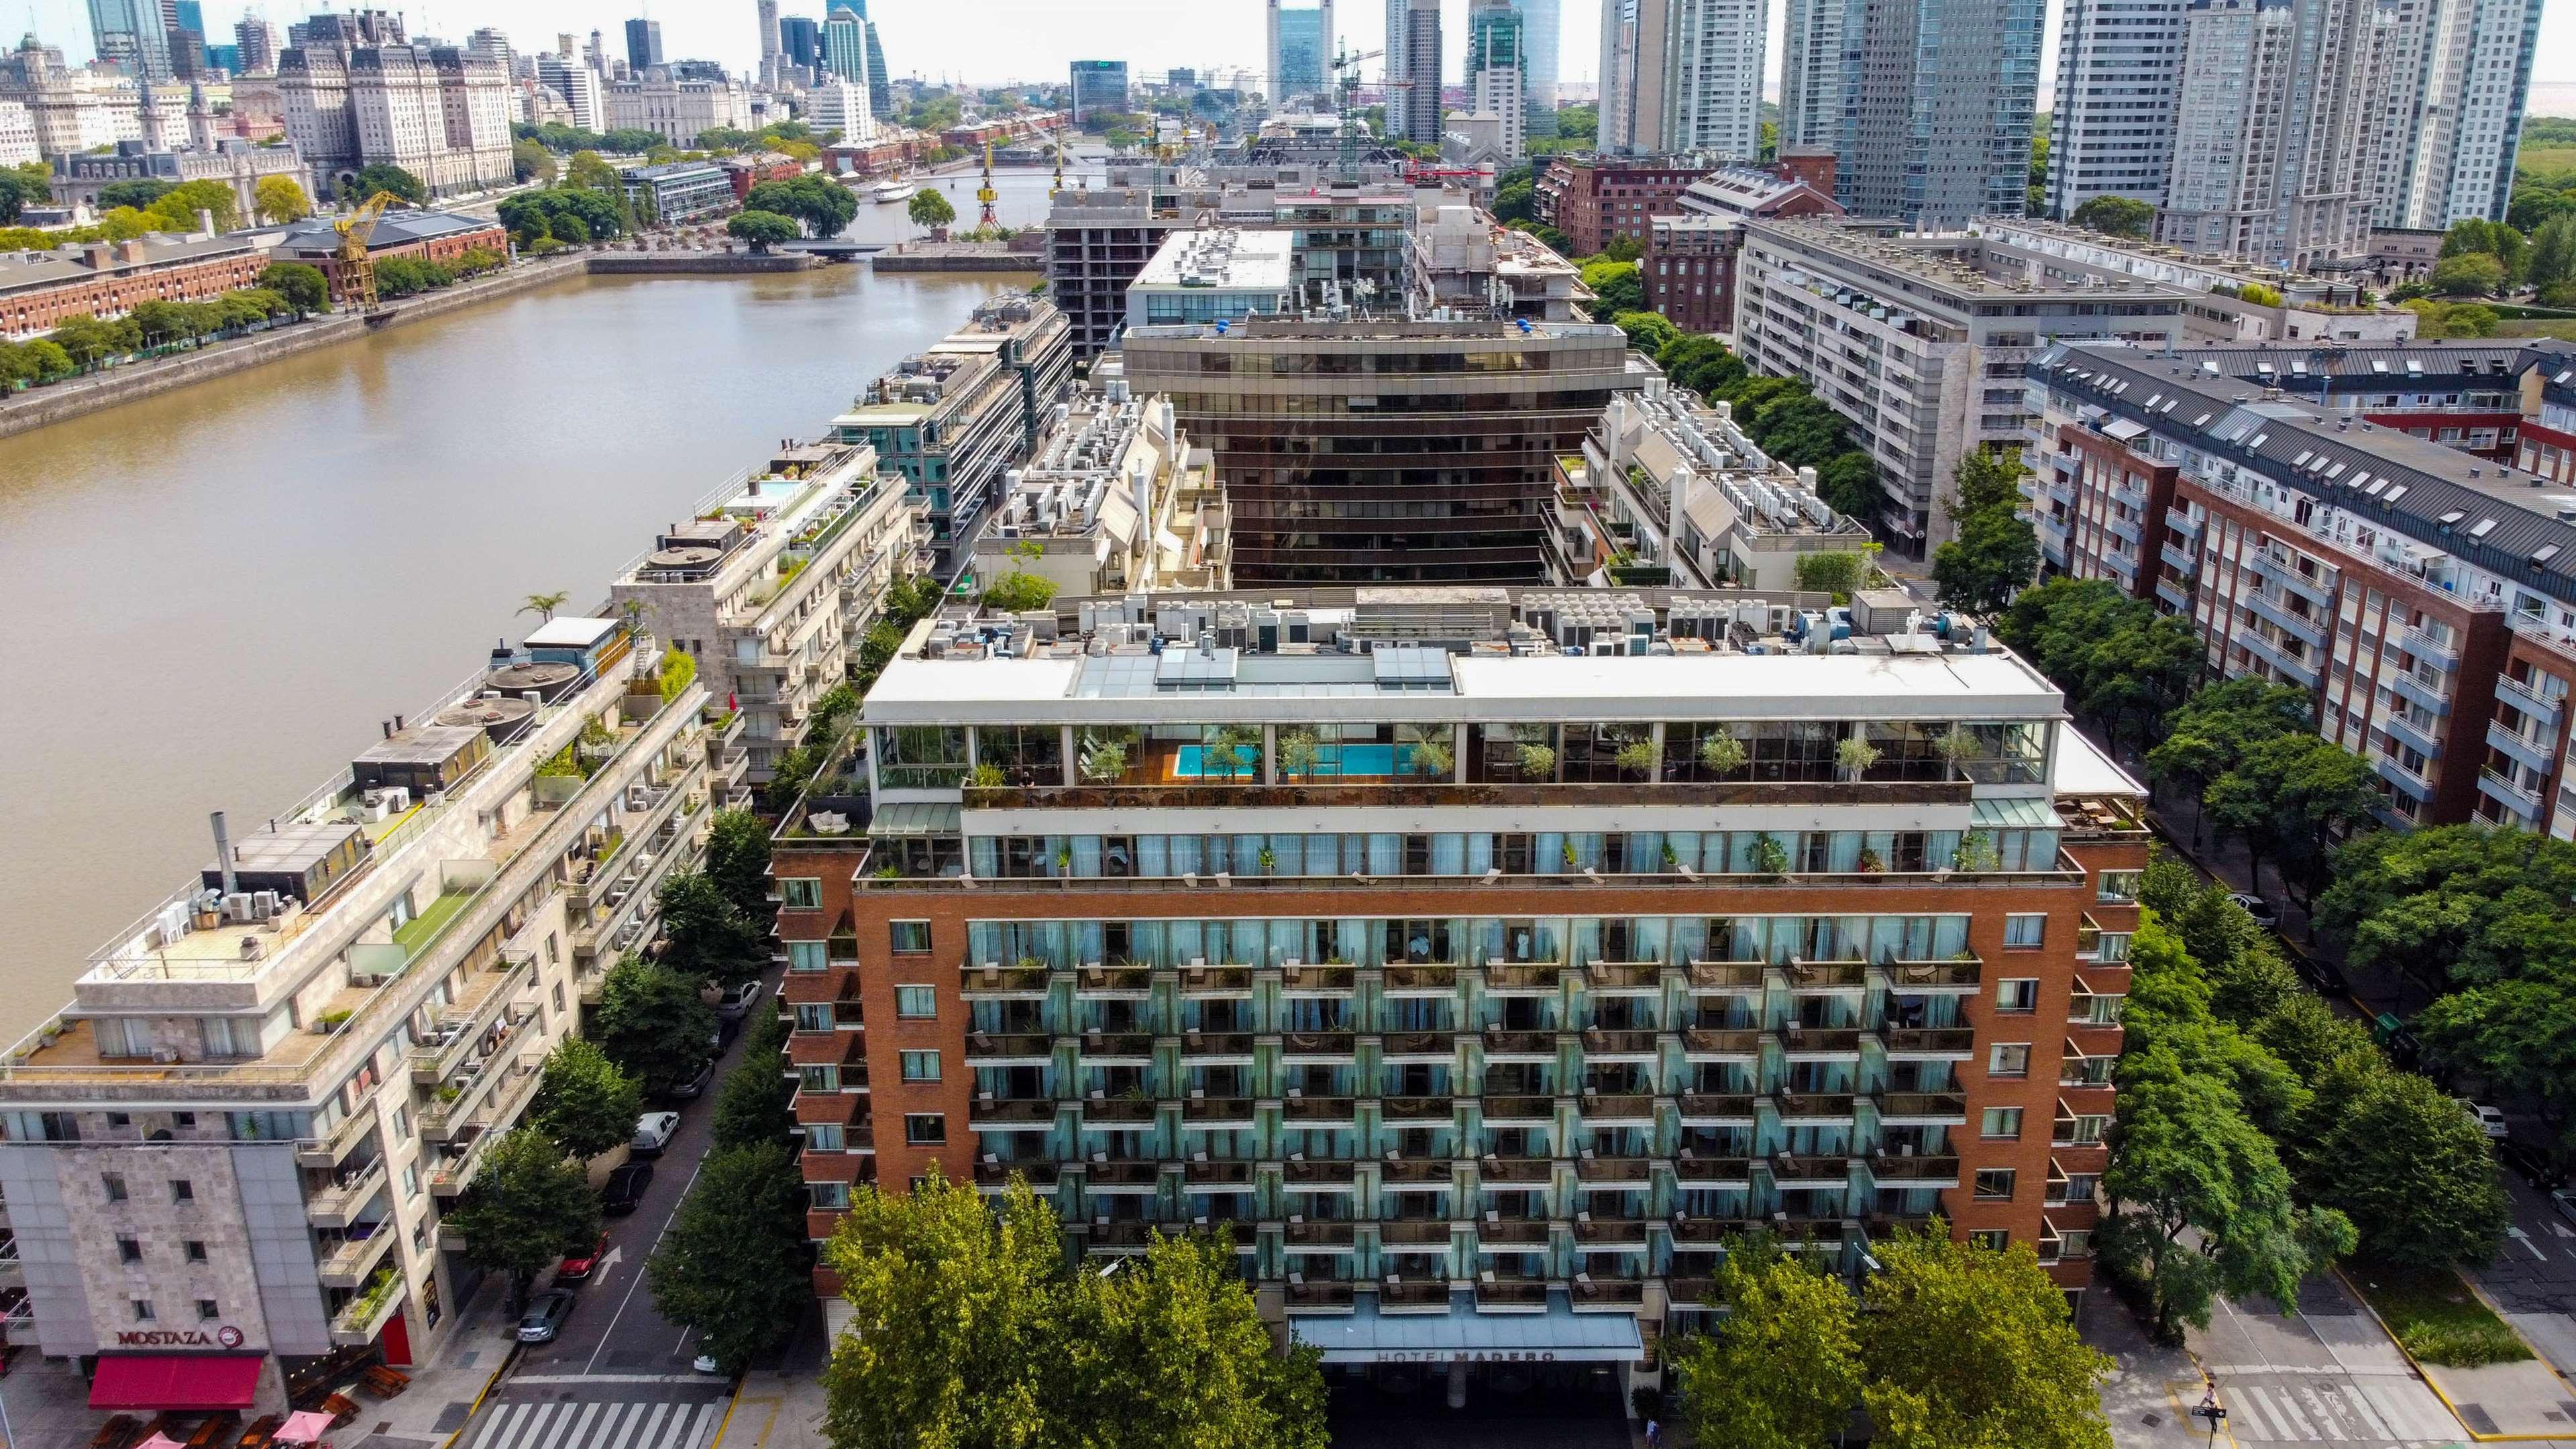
(531, 161)
(2210, 732)
(930, 210)
(754, 1102)
(2414, 1173)
(734, 1264)
(1175, 1352)
(738, 860)
(526, 1208)
(1995, 556)
(705, 935)
(2288, 799)
(652, 1023)
(825, 206)
(953, 1317)
(1966, 1346)
(2459, 905)
(1648, 332)
(584, 1102)
(587, 172)
(280, 199)
(2519, 1034)
(1782, 1370)
(763, 229)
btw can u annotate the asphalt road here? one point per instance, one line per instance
(2534, 1279)
(618, 1376)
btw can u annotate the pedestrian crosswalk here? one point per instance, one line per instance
(2375, 1410)
(597, 1425)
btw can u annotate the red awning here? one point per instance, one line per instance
(180, 1382)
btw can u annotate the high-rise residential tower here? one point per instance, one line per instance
(1301, 51)
(1542, 33)
(1498, 70)
(1926, 103)
(2272, 161)
(2113, 120)
(765, 16)
(850, 51)
(2456, 76)
(1394, 43)
(258, 45)
(1683, 75)
(1413, 113)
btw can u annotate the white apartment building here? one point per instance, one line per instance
(2456, 86)
(678, 110)
(837, 105)
(18, 144)
(770, 583)
(1115, 500)
(2311, 308)
(1928, 110)
(2113, 118)
(2271, 154)
(72, 112)
(244, 1130)
(580, 86)
(1811, 84)
(1701, 498)
(1683, 75)
(1919, 345)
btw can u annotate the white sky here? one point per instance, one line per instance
(998, 40)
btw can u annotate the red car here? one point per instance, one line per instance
(578, 1266)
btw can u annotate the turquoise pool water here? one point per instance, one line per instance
(1344, 760)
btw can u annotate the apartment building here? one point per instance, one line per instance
(2272, 159)
(2455, 87)
(1498, 74)
(1413, 95)
(1520, 994)
(2231, 301)
(2113, 121)
(1216, 274)
(951, 419)
(1593, 199)
(227, 1159)
(2548, 429)
(1300, 51)
(1673, 481)
(1689, 266)
(1683, 75)
(1928, 111)
(1919, 346)
(1115, 499)
(2423, 594)
(1376, 449)
(770, 582)
(356, 94)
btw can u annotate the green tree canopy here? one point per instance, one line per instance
(531, 161)
(2471, 274)
(1618, 285)
(738, 860)
(382, 177)
(705, 935)
(1648, 332)
(588, 172)
(651, 1022)
(2288, 799)
(138, 194)
(2207, 734)
(177, 209)
(281, 199)
(2413, 1172)
(527, 1207)
(930, 210)
(754, 1102)
(2115, 216)
(584, 1102)
(824, 206)
(1966, 1346)
(1839, 573)
(763, 229)
(1783, 1369)
(734, 1264)
(2117, 658)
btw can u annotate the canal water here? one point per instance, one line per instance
(213, 596)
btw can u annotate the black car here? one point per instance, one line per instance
(2325, 976)
(625, 1188)
(2531, 1164)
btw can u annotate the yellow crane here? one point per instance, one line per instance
(357, 269)
(986, 194)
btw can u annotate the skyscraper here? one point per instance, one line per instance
(258, 45)
(1926, 103)
(1498, 70)
(2271, 156)
(765, 13)
(2113, 120)
(1683, 75)
(1542, 31)
(800, 43)
(643, 43)
(850, 51)
(1420, 97)
(131, 35)
(2456, 77)
(1099, 88)
(1301, 51)
(1395, 10)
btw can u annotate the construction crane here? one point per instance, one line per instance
(986, 194)
(357, 269)
(1349, 87)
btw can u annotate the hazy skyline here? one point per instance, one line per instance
(995, 41)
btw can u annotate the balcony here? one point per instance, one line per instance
(334, 1206)
(2432, 696)
(1203, 983)
(1113, 983)
(1594, 1171)
(1319, 1237)
(1118, 1112)
(1725, 978)
(1323, 1046)
(2543, 709)
(1519, 1046)
(2402, 726)
(1319, 1112)
(1416, 1171)
(1115, 1048)
(1017, 1049)
(1701, 1044)
(1501, 1232)
(1928, 1043)
(1819, 1043)
(327, 1151)
(1609, 1234)
(2317, 591)
(1816, 1107)
(1120, 1174)
(348, 1265)
(461, 1025)
(1508, 1295)
(1904, 1171)
(1523, 978)
(1207, 1047)
(1613, 1044)
(1326, 982)
(1004, 1114)
(1215, 1113)
(1624, 976)
(1516, 1171)
(1822, 978)
(1712, 1109)
(1414, 1233)
(2297, 671)
(2519, 747)
(2180, 521)
(1427, 1047)
(1922, 1109)
(1417, 1109)
(1793, 1170)
(995, 982)
(2281, 616)
(1421, 979)
(1520, 1111)
(1323, 1297)
(1604, 1109)
(2442, 649)
(1606, 1295)
(2505, 792)
(1203, 1174)
(1692, 1170)
(363, 1317)
(1397, 1295)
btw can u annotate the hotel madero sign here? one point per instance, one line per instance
(224, 1337)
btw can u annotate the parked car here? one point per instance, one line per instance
(625, 1188)
(2489, 1120)
(653, 1133)
(580, 1263)
(2259, 908)
(545, 1316)
(737, 999)
(2325, 976)
(2564, 1199)
(690, 1089)
(2532, 1164)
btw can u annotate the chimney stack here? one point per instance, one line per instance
(224, 854)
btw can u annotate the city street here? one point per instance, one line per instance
(618, 1375)
(2534, 1279)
